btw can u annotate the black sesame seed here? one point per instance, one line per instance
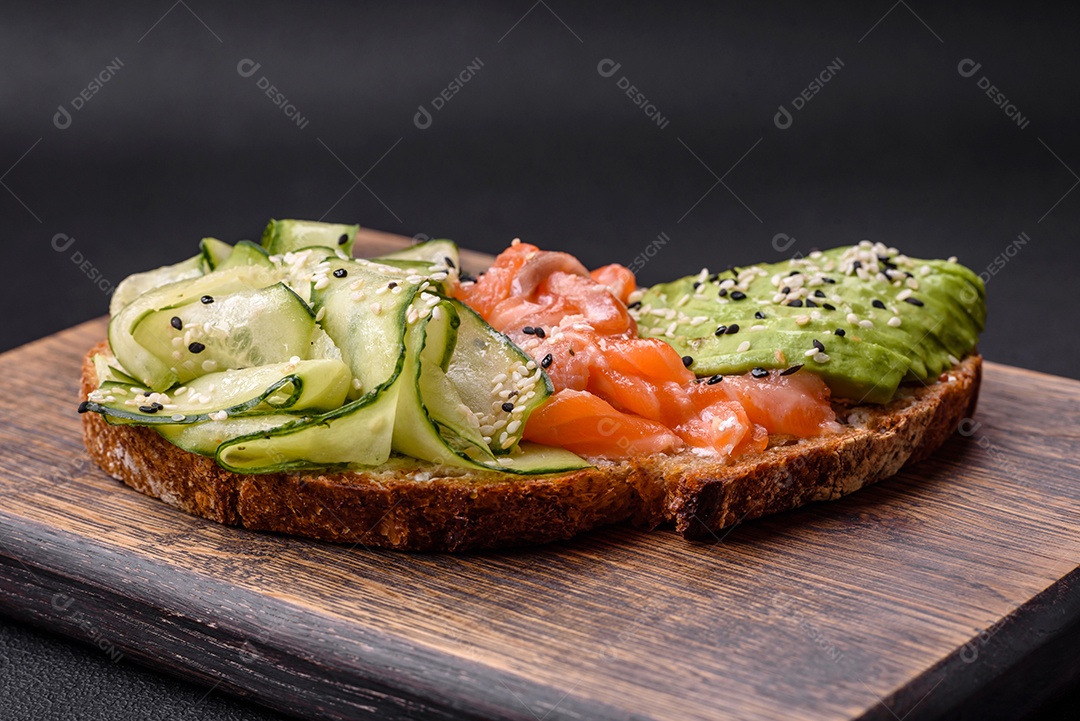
(196, 347)
(713, 380)
(819, 293)
(571, 351)
(207, 299)
(828, 306)
(786, 289)
(720, 330)
(793, 369)
(466, 278)
(733, 329)
(759, 315)
(508, 406)
(635, 305)
(819, 345)
(513, 394)
(840, 332)
(84, 406)
(175, 322)
(878, 304)
(913, 301)
(856, 265)
(391, 285)
(539, 332)
(449, 262)
(158, 406)
(797, 303)
(723, 292)
(343, 239)
(340, 273)
(908, 274)
(810, 303)
(697, 284)
(759, 372)
(829, 280)
(738, 295)
(148, 409)
(794, 272)
(528, 330)
(687, 360)
(546, 361)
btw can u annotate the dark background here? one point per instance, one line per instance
(897, 147)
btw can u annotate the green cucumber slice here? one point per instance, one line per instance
(142, 365)
(214, 252)
(488, 370)
(245, 253)
(205, 437)
(284, 236)
(137, 284)
(311, 386)
(239, 330)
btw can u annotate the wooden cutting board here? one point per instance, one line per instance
(952, 583)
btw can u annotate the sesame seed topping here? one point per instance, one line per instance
(895, 321)
(878, 304)
(793, 369)
(178, 417)
(508, 406)
(732, 329)
(196, 347)
(840, 332)
(546, 361)
(819, 293)
(84, 407)
(953, 359)
(528, 330)
(818, 344)
(207, 299)
(343, 239)
(687, 360)
(738, 295)
(828, 306)
(821, 358)
(713, 380)
(866, 323)
(340, 273)
(759, 315)
(176, 323)
(539, 332)
(797, 303)
(913, 301)
(148, 409)
(743, 347)
(811, 304)
(759, 372)
(720, 330)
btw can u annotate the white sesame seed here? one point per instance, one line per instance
(852, 318)
(209, 366)
(952, 258)
(322, 283)
(866, 323)
(821, 358)
(376, 308)
(743, 347)
(757, 327)
(903, 295)
(218, 416)
(356, 384)
(178, 417)
(810, 353)
(953, 359)
(912, 283)
(802, 319)
(895, 321)
(512, 426)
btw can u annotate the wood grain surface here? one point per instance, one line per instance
(941, 588)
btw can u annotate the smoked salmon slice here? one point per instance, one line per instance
(618, 395)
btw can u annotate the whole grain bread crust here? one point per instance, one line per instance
(428, 508)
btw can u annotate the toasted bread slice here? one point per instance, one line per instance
(422, 507)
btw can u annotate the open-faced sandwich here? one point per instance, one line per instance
(398, 402)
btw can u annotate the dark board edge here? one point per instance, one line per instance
(1020, 662)
(206, 630)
